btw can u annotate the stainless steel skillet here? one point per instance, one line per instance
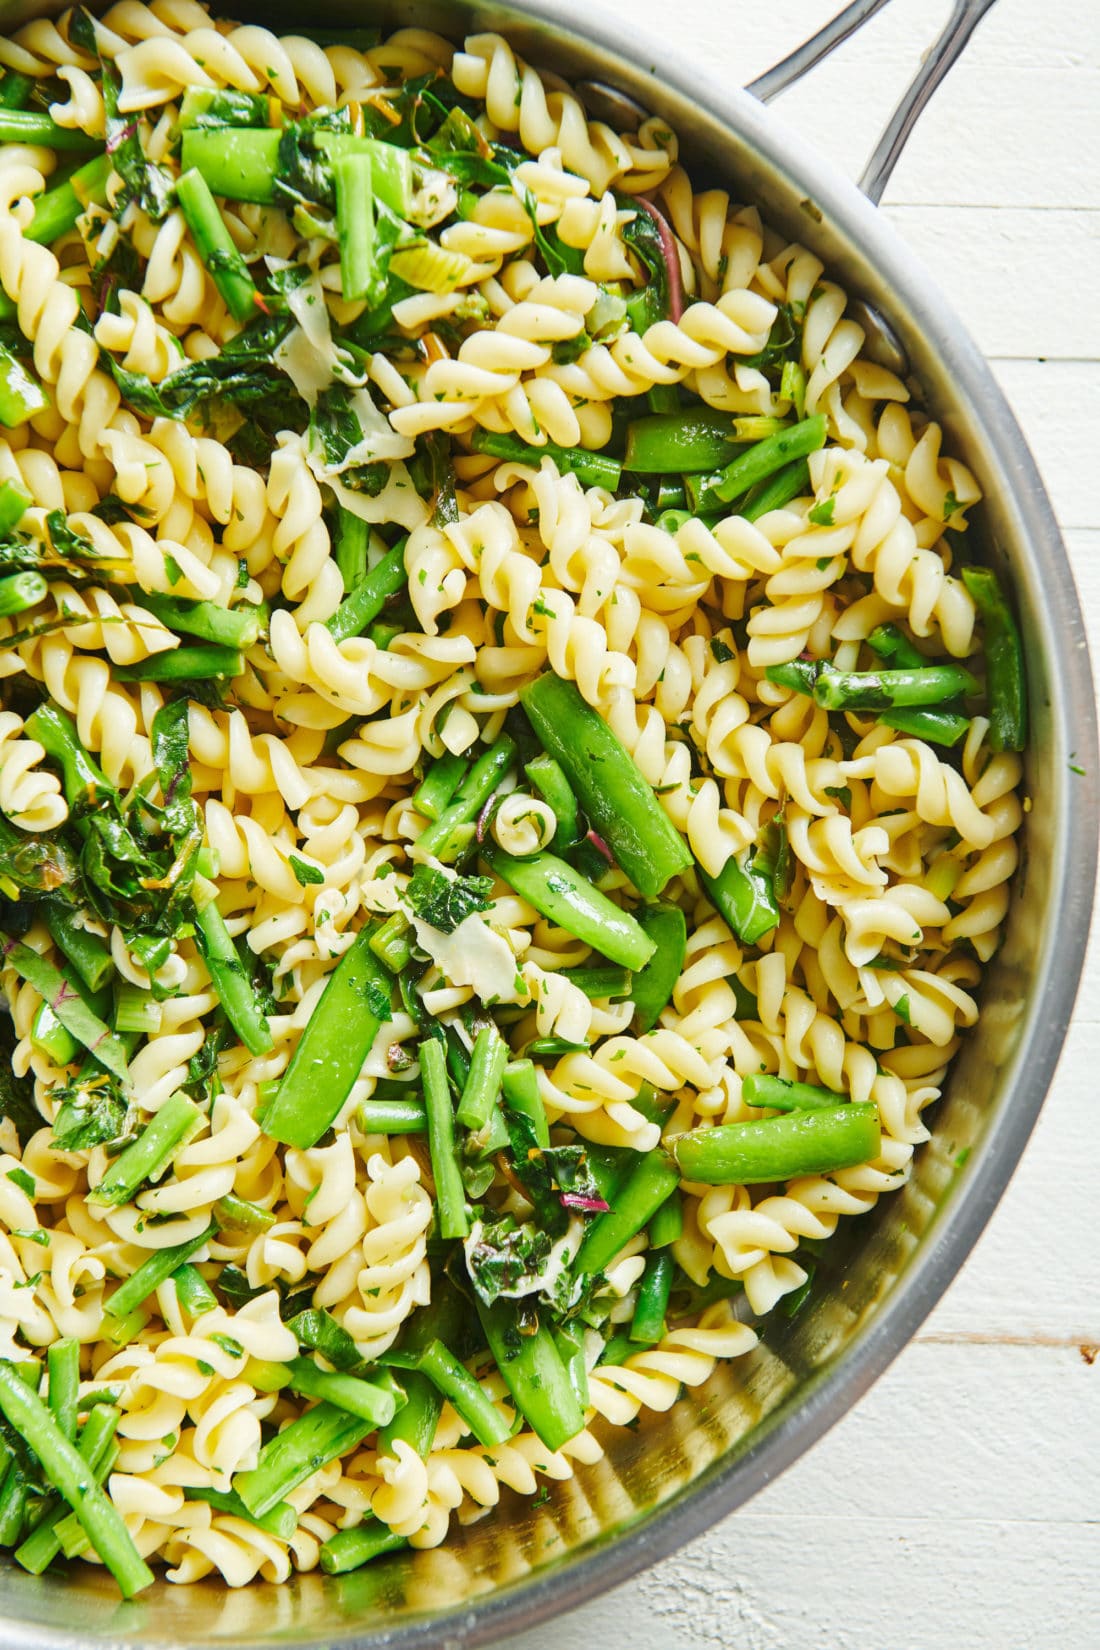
(677, 1474)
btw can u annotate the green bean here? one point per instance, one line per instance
(592, 469)
(96, 1447)
(455, 1382)
(371, 1403)
(193, 1293)
(350, 548)
(790, 482)
(235, 990)
(351, 1549)
(331, 1050)
(890, 689)
(63, 1365)
(137, 1288)
(288, 1459)
(67, 1003)
(667, 1224)
(935, 727)
(216, 246)
(177, 1121)
(20, 591)
(367, 599)
(775, 452)
(653, 1179)
(68, 1471)
(1005, 675)
(487, 1062)
(561, 895)
(781, 1094)
(780, 1148)
(29, 126)
(548, 778)
(797, 674)
(201, 662)
(533, 1373)
(56, 212)
(441, 839)
(449, 1191)
(443, 1319)
(89, 955)
(648, 1323)
(234, 628)
(651, 987)
(892, 644)
(236, 162)
(14, 1496)
(435, 791)
(280, 1520)
(610, 786)
(236, 1214)
(393, 1117)
(521, 1093)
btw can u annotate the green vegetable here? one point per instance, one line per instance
(743, 894)
(96, 1447)
(236, 629)
(593, 469)
(758, 1089)
(286, 1460)
(370, 595)
(393, 1117)
(548, 779)
(55, 988)
(137, 1288)
(177, 1122)
(765, 457)
(648, 1324)
(235, 990)
(63, 1366)
(667, 1224)
(223, 107)
(331, 1050)
(200, 662)
(687, 441)
(21, 398)
(651, 988)
(521, 1094)
(20, 591)
(780, 1148)
(561, 895)
(449, 1192)
(215, 245)
(439, 785)
(612, 789)
(355, 224)
(533, 1373)
(653, 1179)
(1005, 675)
(351, 1549)
(236, 162)
(69, 1472)
(280, 1520)
(235, 1214)
(392, 943)
(444, 901)
(370, 1403)
(448, 836)
(792, 481)
(891, 643)
(14, 503)
(455, 1382)
(194, 1294)
(935, 727)
(56, 212)
(890, 689)
(602, 982)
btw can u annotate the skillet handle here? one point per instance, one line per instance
(964, 19)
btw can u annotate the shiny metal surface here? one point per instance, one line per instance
(678, 1473)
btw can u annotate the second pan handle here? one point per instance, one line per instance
(945, 52)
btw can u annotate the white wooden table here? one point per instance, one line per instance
(958, 1507)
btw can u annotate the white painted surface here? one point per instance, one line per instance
(957, 1508)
